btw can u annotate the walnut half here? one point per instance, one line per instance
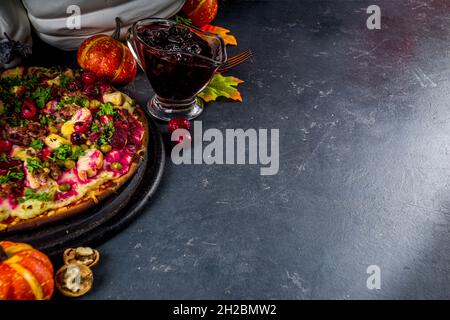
(74, 280)
(82, 255)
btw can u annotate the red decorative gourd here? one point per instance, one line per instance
(201, 12)
(108, 58)
(25, 273)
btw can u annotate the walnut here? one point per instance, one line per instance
(74, 280)
(83, 255)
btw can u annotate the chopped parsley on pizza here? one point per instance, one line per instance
(67, 140)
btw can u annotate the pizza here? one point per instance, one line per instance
(67, 141)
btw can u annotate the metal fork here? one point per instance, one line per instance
(235, 60)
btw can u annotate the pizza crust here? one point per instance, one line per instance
(86, 202)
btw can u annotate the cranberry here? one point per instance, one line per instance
(81, 127)
(88, 77)
(5, 146)
(106, 118)
(178, 123)
(28, 109)
(77, 138)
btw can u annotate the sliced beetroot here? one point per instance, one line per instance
(56, 92)
(10, 166)
(131, 148)
(94, 136)
(17, 189)
(90, 90)
(119, 138)
(122, 123)
(135, 131)
(75, 85)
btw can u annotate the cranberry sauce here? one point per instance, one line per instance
(170, 57)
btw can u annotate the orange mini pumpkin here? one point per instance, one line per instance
(201, 12)
(108, 58)
(25, 273)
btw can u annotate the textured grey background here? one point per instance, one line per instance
(364, 120)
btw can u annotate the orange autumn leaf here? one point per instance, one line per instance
(227, 38)
(221, 86)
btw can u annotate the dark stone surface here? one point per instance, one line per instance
(364, 166)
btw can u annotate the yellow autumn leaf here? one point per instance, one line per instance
(221, 86)
(222, 32)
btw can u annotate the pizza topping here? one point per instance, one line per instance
(67, 152)
(28, 109)
(77, 100)
(106, 118)
(10, 170)
(41, 176)
(122, 157)
(53, 141)
(45, 153)
(116, 166)
(33, 164)
(82, 115)
(88, 77)
(5, 146)
(74, 86)
(41, 95)
(11, 176)
(119, 138)
(64, 187)
(115, 98)
(55, 170)
(69, 164)
(67, 129)
(135, 132)
(107, 132)
(81, 127)
(105, 148)
(89, 164)
(34, 181)
(91, 90)
(106, 109)
(77, 138)
(37, 145)
(33, 195)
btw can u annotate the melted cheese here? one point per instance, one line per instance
(32, 208)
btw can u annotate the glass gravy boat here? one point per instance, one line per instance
(176, 75)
